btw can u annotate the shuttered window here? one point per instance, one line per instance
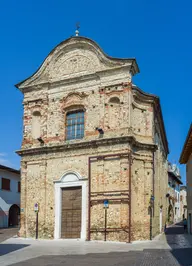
(5, 184)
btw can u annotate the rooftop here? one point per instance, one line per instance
(9, 169)
(187, 148)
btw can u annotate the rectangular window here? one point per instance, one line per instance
(19, 186)
(75, 125)
(5, 184)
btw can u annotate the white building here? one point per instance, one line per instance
(183, 201)
(186, 158)
(174, 182)
(9, 196)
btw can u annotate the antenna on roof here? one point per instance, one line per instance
(77, 29)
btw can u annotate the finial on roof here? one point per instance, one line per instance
(77, 29)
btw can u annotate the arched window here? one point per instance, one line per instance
(75, 125)
(114, 113)
(36, 124)
(114, 100)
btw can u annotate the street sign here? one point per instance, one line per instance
(106, 203)
(152, 198)
(36, 207)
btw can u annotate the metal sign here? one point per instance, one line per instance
(36, 207)
(152, 198)
(106, 204)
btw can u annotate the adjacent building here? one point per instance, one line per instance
(186, 158)
(9, 196)
(174, 182)
(94, 149)
(183, 202)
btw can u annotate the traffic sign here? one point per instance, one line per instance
(36, 207)
(106, 203)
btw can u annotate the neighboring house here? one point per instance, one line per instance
(183, 201)
(91, 137)
(174, 182)
(186, 158)
(9, 196)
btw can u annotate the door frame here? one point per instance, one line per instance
(58, 205)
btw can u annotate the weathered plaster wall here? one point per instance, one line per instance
(110, 102)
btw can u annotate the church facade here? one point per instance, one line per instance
(94, 149)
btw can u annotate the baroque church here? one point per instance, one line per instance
(94, 149)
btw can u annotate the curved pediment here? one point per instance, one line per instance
(72, 64)
(75, 57)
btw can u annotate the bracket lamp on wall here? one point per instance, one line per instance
(40, 140)
(100, 130)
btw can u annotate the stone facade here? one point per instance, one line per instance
(125, 164)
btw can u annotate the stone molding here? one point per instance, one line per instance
(87, 144)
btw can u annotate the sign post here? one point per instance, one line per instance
(151, 213)
(36, 209)
(105, 206)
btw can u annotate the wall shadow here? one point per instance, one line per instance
(8, 248)
(183, 256)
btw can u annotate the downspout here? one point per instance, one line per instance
(153, 182)
(152, 199)
(89, 198)
(130, 158)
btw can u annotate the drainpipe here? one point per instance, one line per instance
(130, 158)
(89, 199)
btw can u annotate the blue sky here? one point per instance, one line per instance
(157, 33)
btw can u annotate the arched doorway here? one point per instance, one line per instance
(14, 214)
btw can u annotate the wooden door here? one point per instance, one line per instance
(71, 212)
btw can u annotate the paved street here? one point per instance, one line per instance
(174, 248)
(6, 233)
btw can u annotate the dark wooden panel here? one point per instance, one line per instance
(71, 212)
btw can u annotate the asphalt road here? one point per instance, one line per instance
(173, 249)
(132, 258)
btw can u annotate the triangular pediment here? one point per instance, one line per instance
(75, 57)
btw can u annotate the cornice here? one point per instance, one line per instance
(187, 148)
(87, 144)
(48, 84)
